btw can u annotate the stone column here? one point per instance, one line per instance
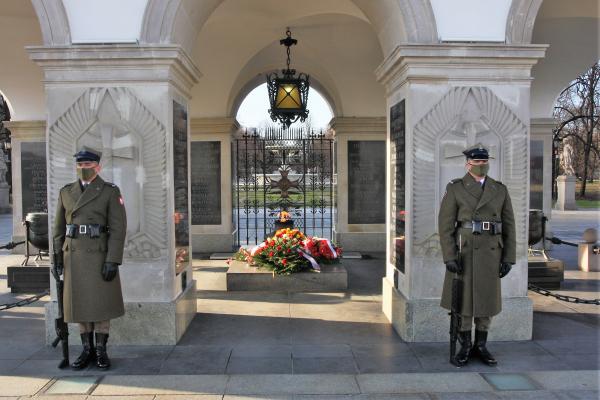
(541, 180)
(360, 219)
(212, 228)
(566, 193)
(442, 98)
(130, 102)
(24, 135)
(4, 189)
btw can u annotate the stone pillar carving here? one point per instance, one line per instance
(128, 102)
(454, 95)
(366, 234)
(212, 229)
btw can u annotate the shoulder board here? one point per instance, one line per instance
(110, 184)
(66, 186)
(456, 180)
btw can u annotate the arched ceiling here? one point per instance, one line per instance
(572, 29)
(20, 79)
(239, 43)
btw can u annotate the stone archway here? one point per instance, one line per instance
(178, 22)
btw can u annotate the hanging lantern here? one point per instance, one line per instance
(288, 94)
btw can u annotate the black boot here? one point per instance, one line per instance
(102, 360)
(88, 354)
(480, 350)
(462, 358)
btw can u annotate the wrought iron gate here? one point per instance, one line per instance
(282, 170)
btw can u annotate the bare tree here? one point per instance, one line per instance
(577, 113)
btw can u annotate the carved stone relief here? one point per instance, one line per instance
(133, 145)
(465, 116)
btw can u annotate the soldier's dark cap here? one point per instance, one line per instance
(87, 154)
(477, 152)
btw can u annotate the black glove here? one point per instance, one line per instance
(57, 266)
(109, 271)
(505, 268)
(453, 266)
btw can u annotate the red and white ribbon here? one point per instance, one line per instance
(313, 262)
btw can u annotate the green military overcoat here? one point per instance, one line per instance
(88, 297)
(466, 200)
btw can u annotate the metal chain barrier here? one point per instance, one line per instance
(24, 302)
(562, 297)
(11, 245)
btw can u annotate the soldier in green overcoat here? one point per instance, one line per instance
(476, 219)
(88, 237)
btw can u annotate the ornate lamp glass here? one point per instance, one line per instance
(288, 94)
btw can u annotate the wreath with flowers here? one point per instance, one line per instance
(290, 251)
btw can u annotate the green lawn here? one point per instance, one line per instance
(588, 203)
(592, 195)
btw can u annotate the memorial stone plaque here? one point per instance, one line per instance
(206, 183)
(33, 177)
(536, 177)
(366, 182)
(180, 182)
(397, 141)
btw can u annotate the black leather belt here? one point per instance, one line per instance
(478, 227)
(91, 230)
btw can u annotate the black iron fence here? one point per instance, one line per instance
(283, 170)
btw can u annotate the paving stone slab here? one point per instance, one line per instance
(72, 385)
(262, 397)
(316, 350)
(161, 384)
(282, 351)
(510, 381)
(382, 350)
(569, 346)
(57, 397)
(325, 365)
(405, 363)
(145, 397)
(199, 365)
(527, 395)
(464, 396)
(577, 395)
(566, 380)
(262, 365)
(531, 363)
(369, 396)
(183, 397)
(22, 386)
(422, 382)
(292, 384)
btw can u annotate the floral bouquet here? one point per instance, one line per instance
(289, 251)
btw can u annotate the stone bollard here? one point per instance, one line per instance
(589, 251)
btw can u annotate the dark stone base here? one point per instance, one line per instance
(241, 277)
(28, 279)
(547, 274)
